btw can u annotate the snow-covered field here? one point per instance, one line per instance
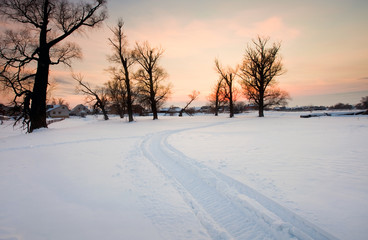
(202, 177)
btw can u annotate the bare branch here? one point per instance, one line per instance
(98, 95)
(70, 17)
(227, 76)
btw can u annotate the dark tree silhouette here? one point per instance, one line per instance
(150, 77)
(97, 96)
(260, 67)
(117, 95)
(273, 96)
(342, 106)
(228, 77)
(28, 53)
(122, 56)
(217, 98)
(193, 96)
(363, 103)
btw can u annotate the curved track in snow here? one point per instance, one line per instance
(226, 208)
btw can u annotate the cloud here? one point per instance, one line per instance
(63, 81)
(178, 38)
(191, 44)
(183, 38)
(274, 27)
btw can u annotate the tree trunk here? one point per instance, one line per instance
(129, 98)
(260, 111)
(231, 104)
(216, 105)
(261, 104)
(231, 109)
(100, 105)
(152, 97)
(106, 117)
(154, 109)
(128, 88)
(120, 110)
(38, 106)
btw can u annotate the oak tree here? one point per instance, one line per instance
(261, 66)
(152, 89)
(37, 41)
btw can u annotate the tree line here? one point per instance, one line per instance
(136, 77)
(39, 41)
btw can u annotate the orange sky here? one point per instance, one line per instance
(323, 45)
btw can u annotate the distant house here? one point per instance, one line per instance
(57, 111)
(171, 110)
(80, 110)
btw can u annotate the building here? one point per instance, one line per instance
(57, 111)
(172, 111)
(80, 110)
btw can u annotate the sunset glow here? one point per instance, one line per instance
(323, 45)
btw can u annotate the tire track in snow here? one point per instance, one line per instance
(227, 208)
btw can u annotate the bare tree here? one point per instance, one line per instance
(117, 95)
(123, 56)
(228, 77)
(28, 53)
(97, 96)
(193, 96)
(260, 67)
(218, 97)
(150, 77)
(14, 75)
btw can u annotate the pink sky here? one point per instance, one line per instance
(323, 45)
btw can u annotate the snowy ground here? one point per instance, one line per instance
(202, 177)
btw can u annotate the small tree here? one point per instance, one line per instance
(150, 77)
(260, 67)
(228, 77)
(117, 95)
(28, 53)
(363, 103)
(122, 56)
(217, 98)
(97, 96)
(193, 96)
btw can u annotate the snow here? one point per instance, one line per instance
(201, 177)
